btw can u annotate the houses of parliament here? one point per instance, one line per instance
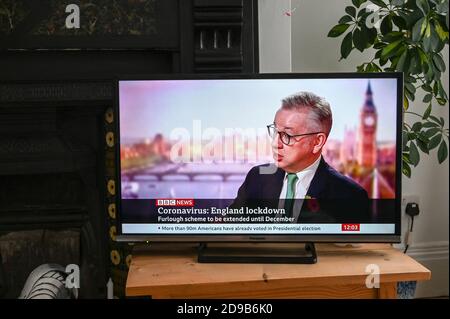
(360, 156)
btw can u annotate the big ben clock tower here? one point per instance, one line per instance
(367, 143)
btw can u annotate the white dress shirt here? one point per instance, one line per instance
(301, 187)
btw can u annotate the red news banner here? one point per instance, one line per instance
(175, 202)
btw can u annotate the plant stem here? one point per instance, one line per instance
(409, 112)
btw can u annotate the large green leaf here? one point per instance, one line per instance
(435, 41)
(434, 141)
(426, 87)
(414, 156)
(359, 40)
(405, 102)
(337, 30)
(427, 32)
(436, 88)
(346, 46)
(422, 137)
(432, 131)
(392, 36)
(404, 139)
(357, 3)
(363, 14)
(409, 95)
(429, 76)
(439, 62)
(415, 66)
(429, 124)
(442, 33)
(407, 19)
(442, 152)
(441, 90)
(345, 19)
(437, 73)
(423, 145)
(379, 3)
(431, 43)
(351, 11)
(378, 54)
(410, 79)
(411, 89)
(386, 25)
(423, 6)
(435, 119)
(426, 43)
(399, 22)
(427, 98)
(412, 136)
(406, 170)
(379, 45)
(411, 16)
(424, 61)
(371, 35)
(403, 61)
(383, 61)
(373, 67)
(397, 2)
(441, 101)
(405, 157)
(419, 29)
(391, 48)
(439, 18)
(426, 114)
(416, 127)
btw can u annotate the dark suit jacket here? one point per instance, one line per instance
(334, 198)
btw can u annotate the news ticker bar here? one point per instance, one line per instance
(258, 228)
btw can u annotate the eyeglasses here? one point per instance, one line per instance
(285, 138)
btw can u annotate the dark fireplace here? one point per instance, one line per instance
(52, 183)
(57, 164)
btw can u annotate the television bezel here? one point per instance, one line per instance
(269, 238)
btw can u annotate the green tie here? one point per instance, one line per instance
(289, 201)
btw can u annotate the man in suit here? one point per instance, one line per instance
(300, 181)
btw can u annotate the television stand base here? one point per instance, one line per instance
(257, 254)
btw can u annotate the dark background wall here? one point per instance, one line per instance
(57, 162)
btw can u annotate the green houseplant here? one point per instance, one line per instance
(406, 36)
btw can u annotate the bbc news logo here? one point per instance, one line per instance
(175, 202)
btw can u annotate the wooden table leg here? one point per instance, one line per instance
(387, 290)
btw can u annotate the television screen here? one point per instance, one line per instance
(272, 157)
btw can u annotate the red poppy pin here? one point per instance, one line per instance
(312, 204)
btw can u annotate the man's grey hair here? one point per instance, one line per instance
(320, 111)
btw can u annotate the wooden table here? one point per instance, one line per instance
(172, 271)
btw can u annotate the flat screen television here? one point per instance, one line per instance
(260, 157)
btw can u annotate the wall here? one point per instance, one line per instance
(312, 51)
(274, 36)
